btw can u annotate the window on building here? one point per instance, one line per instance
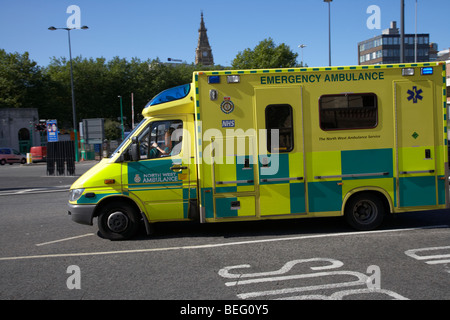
(348, 111)
(279, 123)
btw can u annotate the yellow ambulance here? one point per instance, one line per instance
(353, 141)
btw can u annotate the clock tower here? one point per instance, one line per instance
(203, 53)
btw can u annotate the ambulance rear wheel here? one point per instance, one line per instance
(118, 221)
(365, 211)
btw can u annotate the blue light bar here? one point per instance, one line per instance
(426, 71)
(214, 79)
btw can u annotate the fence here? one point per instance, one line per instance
(61, 158)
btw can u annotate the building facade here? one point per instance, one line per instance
(203, 52)
(17, 128)
(385, 48)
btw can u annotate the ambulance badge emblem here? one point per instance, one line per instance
(227, 106)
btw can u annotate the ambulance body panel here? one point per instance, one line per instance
(359, 141)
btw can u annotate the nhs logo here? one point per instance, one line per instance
(227, 123)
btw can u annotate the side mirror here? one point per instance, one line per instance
(135, 149)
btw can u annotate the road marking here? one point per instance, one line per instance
(34, 190)
(225, 272)
(216, 245)
(432, 258)
(65, 239)
(284, 289)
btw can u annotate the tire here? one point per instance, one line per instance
(365, 211)
(118, 221)
(3, 162)
(23, 161)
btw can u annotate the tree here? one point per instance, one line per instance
(266, 55)
(112, 129)
(97, 82)
(21, 81)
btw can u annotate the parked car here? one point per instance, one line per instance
(10, 155)
(38, 154)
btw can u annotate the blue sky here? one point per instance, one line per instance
(163, 29)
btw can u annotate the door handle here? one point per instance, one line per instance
(419, 171)
(177, 168)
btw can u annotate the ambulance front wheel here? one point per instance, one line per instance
(118, 221)
(365, 211)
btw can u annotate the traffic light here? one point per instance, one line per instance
(40, 126)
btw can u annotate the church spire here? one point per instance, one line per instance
(203, 53)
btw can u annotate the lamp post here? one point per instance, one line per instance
(72, 87)
(415, 36)
(329, 31)
(301, 46)
(121, 116)
(402, 31)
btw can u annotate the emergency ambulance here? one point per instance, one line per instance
(353, 141)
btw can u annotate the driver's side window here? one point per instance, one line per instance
(161, 139)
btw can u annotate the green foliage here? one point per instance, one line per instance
(98, 82)
(21, 81)
(266, 55)
(112, 129)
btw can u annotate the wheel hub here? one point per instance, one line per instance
(117, 221)
(365, 211)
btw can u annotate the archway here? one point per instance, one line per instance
(24, 140)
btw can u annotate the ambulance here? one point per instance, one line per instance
(238, 145)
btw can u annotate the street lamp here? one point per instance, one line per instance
(121, 116)
(329, 31)
(301, 46)
(71, 84)
(415, 36)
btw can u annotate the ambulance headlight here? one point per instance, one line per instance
(407, 71)
(75, 194)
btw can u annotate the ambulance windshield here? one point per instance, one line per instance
(131, 134)
(170, 95)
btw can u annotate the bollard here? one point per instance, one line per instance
(29, 158)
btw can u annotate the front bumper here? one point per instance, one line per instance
(82, 214)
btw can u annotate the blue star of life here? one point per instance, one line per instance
(415, 94)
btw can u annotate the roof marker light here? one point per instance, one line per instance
(233, 79)
(407, 71)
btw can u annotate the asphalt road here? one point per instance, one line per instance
(44, 255)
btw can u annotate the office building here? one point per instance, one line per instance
(385, 48)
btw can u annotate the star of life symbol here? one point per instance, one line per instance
(415, 94)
